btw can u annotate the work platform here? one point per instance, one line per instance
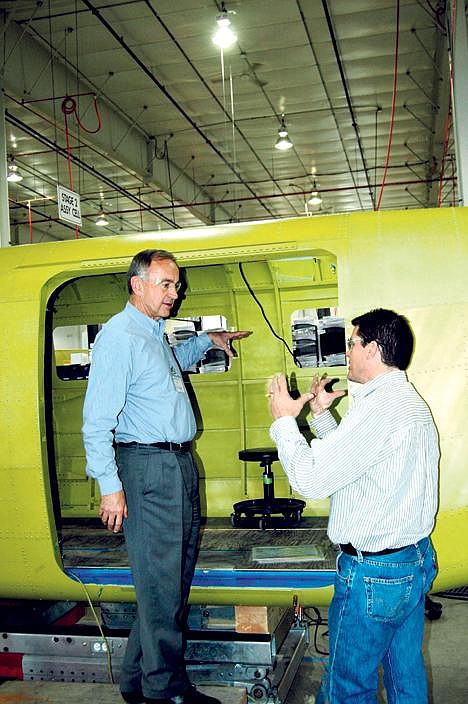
(257, 647)
(229, 557)
(263, 664)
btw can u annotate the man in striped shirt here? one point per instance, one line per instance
(379, 467)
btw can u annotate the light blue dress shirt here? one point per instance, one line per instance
(135, 391)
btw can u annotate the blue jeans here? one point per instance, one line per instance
(377, 616)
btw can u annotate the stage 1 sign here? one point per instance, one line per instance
(69, 207)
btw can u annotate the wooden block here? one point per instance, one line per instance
(260, 619)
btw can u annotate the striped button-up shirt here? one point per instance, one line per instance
(379, 466)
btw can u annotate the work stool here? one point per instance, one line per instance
(268, 512)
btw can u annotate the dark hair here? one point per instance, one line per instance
(392, 333)
(142, 261)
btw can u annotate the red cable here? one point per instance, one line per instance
(392, 119)
(67, 139)
(69, 108)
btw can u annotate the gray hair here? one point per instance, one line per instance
(142, 261)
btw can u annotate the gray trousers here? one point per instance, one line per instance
(161, 534)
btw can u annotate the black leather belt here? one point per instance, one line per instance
(351, 550)
(169, 446)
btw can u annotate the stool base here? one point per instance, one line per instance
(260, 513)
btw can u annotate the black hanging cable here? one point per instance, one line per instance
(169, 177)
(77, 57)
(376, 125)
(52, 77)
(317, 623)
(252, 293)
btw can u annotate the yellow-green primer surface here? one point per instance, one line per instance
(411, 261)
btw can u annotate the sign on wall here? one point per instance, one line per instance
(69, 206)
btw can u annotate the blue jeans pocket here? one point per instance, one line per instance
(387, 598)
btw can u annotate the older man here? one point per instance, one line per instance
(136, 401)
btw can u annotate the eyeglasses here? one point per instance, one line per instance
(351, 341)
(165, 284)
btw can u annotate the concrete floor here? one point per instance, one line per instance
(445, 650)
(37, 692)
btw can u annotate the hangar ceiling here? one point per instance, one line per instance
(130, 104)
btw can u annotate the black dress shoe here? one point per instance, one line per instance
(193, 696)
(136, 697)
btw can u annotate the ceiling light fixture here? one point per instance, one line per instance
(14, 175)
(224, 36)
(283, 143)
(102, 220)
(315, 198)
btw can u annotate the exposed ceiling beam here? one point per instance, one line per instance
(150, 74)
(127, 144)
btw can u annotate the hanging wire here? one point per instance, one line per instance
(66, 111)
(169, 178)
(448, 125)
(437, 14)
(53, 52)
(452, 162)
(30, 222)
(264, 315)
(223, 78)
(69, 107)
(233, 135)
(20, 37)
(67, 139)
(376, 134)
(448, 121)
(141, 209)
(223, 81)
(183, 170)
(99, 625)
(80, 174)
(52, 76)
(392, 118)
(317, 622)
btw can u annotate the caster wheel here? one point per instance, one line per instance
(235, 520)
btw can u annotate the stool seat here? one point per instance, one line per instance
(259, 454)
(269, 511)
